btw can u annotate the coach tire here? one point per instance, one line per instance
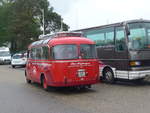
(108, 76)
(44, 84)
(13, 66)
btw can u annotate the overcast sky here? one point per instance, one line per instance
(88, 13)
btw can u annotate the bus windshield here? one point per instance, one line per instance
(87, 51)
(64, 52)
(139, 37)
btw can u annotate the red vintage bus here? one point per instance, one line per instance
(62, 60)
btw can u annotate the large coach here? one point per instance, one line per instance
(124, 48)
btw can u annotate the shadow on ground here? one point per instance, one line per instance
(131, 83)
(66, 90)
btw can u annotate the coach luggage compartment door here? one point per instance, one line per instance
(121, 53)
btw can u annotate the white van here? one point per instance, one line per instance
(5, 56)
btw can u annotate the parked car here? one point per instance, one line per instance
(5, 56)
(18, 60)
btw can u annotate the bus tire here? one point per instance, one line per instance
(13, 66)
(28, 81)
(44, 83)
(108, 75)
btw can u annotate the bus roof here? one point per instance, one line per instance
(70, 40)
(58, 39)
(114, 24)
(60, 34)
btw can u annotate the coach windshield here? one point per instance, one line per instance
(139, 37)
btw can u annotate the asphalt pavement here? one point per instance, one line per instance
(16, 96)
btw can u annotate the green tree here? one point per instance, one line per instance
(21, 21)
(24, 26)
(5, 17)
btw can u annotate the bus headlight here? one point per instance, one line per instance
(135, 63)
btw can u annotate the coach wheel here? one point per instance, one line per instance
(108, 75)
(44, 84)
(13, 66)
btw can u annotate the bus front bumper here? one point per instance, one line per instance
(132, 75)
(68, 84)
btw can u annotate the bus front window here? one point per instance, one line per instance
(139, 37)
(64, 52)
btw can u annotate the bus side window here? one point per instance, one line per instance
(45, 53)
(33, 53)
(38, 53)
(51, 53)
(120, 39)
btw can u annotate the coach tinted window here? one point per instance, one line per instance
(98, 36)
(120, 39)
(102, 37)
(109, 36)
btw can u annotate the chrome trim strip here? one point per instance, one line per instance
(140, 68)
(122, 74)
(132, 75)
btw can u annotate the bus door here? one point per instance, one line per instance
(121, 52)
(33, 65)
(28, 70)
(42, 65)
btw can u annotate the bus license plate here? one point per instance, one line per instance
(81, 73)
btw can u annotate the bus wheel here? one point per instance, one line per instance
(28, 81)
(108, 75)
(44, 84)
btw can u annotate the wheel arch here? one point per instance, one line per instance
(42, 75)
(107, 67)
